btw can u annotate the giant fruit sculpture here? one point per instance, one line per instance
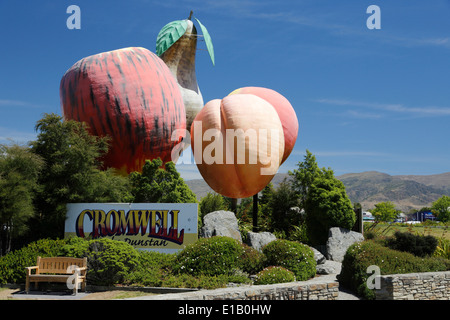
(176, 44)
(284, 110)
(238, 144)
(130, 95)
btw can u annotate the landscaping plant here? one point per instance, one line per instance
(293, 256)
(274, 274)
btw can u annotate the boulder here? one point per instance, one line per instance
(260, 239)
(329, 267)
(220, 223)
(318, 256)
(339, 239)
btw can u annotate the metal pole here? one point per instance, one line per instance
(234, 205)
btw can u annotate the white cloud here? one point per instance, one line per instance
(350, 153)
(16, 103)
(389, 107)
(8, 136)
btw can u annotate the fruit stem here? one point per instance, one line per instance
(190, 15)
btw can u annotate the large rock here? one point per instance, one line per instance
(339, 239)
(318, 256)
(260, 239)
(220, 223)
(329, 267)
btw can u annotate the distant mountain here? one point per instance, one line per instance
(369, 188)
(201, 188)
(406, 192)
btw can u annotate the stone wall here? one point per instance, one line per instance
(415, 286)
(314, 289)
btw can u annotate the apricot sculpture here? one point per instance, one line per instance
(238, 144)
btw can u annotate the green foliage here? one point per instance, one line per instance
(442, 249)
(274, 274)
(361, 255)
(209, 256)
(200, 281)
(323, 198)
(74, 247)
(152, 269)
(327, 206)
(282, 218)
(251, 261)
(418, 245)
(109, 261)
(71, 172)
(304, 176)
(210, 203)
(293, 256)
(385, 211)
(19, 170)
(160, 185)
(12, 265)
(441, 208)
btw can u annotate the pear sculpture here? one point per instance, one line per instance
(176, 45)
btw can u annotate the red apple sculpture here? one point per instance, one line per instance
(130, 95)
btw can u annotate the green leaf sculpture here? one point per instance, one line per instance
(208, 40)
(170, 34)
(174, 30)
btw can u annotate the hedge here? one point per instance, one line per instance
(361, 255)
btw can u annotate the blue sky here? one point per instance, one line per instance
(365, 99)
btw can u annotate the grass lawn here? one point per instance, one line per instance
(386, 229)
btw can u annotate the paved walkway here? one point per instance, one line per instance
(38, 295)
(52, 295)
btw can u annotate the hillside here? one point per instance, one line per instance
(406, 191)
(368, 188)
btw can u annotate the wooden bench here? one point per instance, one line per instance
(58, 269)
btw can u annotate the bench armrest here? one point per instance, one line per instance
(31, 268)
(82, 270)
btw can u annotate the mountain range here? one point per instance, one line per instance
(407, 192)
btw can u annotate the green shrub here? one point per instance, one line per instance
(200, 281)
(251, 260)
(109, 261)
(442, 249)
(239, 276)
(293, 256)
(152, 268)
(74, 247)
(418, 245)
(361, 255)
(274, 274)
(12, 265)
(209, 256)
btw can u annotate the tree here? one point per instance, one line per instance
(441, 208)
(303, 177)
(210, 203)
(327, 205)
(385, 211)
(160, 185)
(282, 218)
(19, 169)
(266, 197)
(71, 172)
